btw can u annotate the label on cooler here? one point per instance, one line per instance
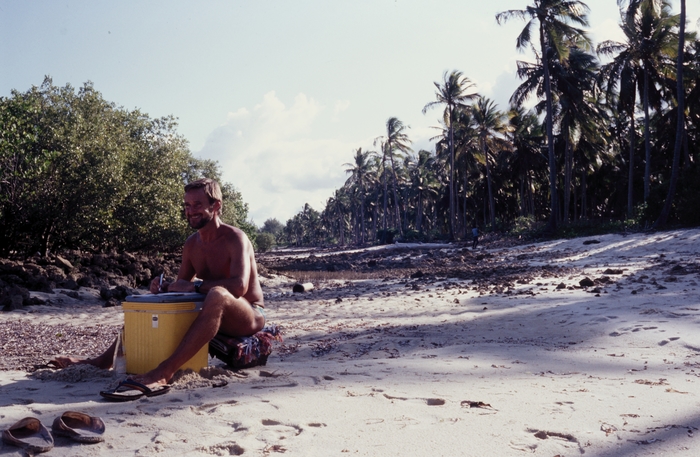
(154, 320)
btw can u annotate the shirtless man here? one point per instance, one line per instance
(218, 260)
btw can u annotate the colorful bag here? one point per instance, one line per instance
(245, 351)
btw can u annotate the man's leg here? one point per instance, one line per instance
(103, 360)
(221, 311)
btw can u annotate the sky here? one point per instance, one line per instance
(280, 92)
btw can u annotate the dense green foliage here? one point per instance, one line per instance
(79, 172)
(597, 149)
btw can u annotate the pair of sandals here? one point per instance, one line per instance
(31, 435)
(130, 390)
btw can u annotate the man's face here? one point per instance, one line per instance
(198, 210)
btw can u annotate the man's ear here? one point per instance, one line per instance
(217, 207)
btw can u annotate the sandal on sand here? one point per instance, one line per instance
(129, 390)
(29, 434)
(79, 427)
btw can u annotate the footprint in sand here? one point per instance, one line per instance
(535, 438)
(295, 430)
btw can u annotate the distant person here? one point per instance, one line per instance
(218, 260)
(475, 236)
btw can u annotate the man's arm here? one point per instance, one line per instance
(185, 275)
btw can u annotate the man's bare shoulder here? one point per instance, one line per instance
(191, 241)
(234, 234)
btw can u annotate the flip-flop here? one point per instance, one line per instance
(29, 434)
(79, 427)
(129, 390)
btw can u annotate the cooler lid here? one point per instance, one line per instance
(167, 297)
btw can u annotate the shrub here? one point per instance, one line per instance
(265, 241)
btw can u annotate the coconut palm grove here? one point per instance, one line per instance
(598, 136)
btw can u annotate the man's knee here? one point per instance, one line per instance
(218, 297)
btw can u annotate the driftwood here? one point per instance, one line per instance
(305, 287)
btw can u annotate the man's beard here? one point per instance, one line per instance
(203, 221)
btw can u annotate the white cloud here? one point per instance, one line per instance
(340, 106)
(271, 155)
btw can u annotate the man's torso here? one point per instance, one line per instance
(212, 261)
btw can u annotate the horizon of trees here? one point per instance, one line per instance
(614, 140)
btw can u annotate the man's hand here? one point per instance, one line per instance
(157, 287)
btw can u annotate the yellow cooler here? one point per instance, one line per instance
(154, 326)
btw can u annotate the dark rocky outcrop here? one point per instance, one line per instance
(116, 275)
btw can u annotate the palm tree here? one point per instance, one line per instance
(394, 143)
(649, 40)
(577, 110)
(680, 122)
(491, 124)
(453, 94)
(526, 138)
(423, 181)
(555, 36)
(360, 178)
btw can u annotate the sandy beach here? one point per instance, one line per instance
(420, 366)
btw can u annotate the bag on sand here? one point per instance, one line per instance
(246, 351)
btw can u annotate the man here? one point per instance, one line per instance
(218, 260)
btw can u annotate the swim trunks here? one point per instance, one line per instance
(259, 308)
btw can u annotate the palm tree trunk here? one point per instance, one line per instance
(680, 123)
(465, 223)
(397, 207)
(584, 191)
(374, 222)
(647, 140)
(385, 203)
(567, 179)
(452, 180)
(362, 218)
(550, 135)
(630, 177)
(492, 206)
(419, 213)
(686, 150)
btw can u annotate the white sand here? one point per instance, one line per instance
(380, 369)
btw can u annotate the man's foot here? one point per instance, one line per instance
(153, 379)
(129, 390)
(65, 361)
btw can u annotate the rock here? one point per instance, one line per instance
(678, 270)
(305, 287)
(417, 274)
(591, 242)
(64, 264)
(69, 283)
(612, 271)
(16, 302)
(561, 286)
(121, 292)
(586, 282)
(71, 294)
(14, 297)
(112, 302)
(105, 293)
